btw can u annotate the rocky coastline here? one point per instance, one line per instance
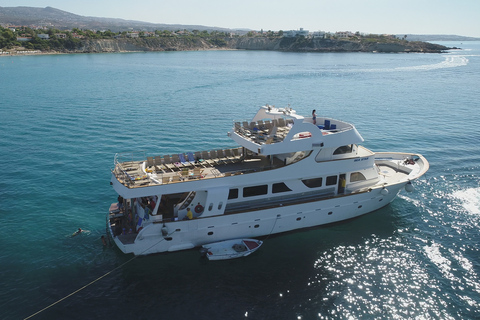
(298, 44)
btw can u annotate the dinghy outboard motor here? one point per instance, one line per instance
(203, 251)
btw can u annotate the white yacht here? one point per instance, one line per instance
(287, 172)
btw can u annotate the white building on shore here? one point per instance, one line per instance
(295, 33)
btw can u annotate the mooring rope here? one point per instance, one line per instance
(99, 278)
(276, 219)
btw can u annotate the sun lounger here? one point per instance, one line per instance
(191, 158)
(176, 161)
(206, 157)
(168, 162)
(184, 161)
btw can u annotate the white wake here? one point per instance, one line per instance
(469, 199)
(451, 61)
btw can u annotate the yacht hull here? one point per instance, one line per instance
(182, 235)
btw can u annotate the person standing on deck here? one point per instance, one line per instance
(314, 116)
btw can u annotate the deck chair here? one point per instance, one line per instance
(214, 157)
(237, 153)
(221, 156)
(197, 173)
(150, 162)
(200, 160)
(176, 179)
(165, 180)
(176, 161)
(206, 157)
(229, 155)
(260, 125)
(168, 162)
(184, 161)
(157, 162)
(191, 157)
(185, 173)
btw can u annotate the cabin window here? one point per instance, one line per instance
(331, 180)
(313, 183)
(220, 205)
(344, 149)
(255, 191)
(233, 194)
(280, 187)
(357, 176)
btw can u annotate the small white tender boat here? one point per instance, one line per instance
(230, 249)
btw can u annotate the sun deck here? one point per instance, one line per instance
(135, 170)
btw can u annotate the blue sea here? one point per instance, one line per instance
(63, 118)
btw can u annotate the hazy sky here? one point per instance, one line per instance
(460, 17)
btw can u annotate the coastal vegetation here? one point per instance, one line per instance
(76, 40)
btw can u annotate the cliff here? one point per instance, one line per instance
(299, 44)
(147, 44)
(258, 43)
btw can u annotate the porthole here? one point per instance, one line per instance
(210, 233)
(298, 219)
(256, 226)
(359, 206)
(330, 213)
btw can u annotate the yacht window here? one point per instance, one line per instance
(255, 191)
(280, 187)
(313, 183)
(233, 194)
(344, 149)
(331, 180)
(357, 176)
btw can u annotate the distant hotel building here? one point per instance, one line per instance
(295, 33)
(344, 34)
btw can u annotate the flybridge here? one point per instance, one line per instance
(280, 130)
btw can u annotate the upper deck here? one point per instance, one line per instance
(135, 170)
(280, 130)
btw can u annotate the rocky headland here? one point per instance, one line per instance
(259, 43)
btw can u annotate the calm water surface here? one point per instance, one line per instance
(63, 118)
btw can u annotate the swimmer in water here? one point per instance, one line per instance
(77, 232)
